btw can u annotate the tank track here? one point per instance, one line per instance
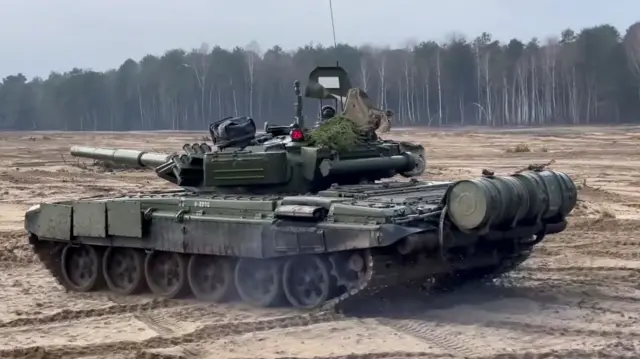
(49, 254)
(382, 271)
(380, 277)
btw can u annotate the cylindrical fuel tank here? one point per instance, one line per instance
(554, 192)
(500, 200)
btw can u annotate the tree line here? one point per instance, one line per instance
(586, 77)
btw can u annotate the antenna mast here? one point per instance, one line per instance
(333, 27)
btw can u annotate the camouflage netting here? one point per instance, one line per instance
(338, 133)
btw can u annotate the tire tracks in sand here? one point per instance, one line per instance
(165, 328)
(119, 306)
(467, 337)
(205, 332)
(553, 354)
(78, 314)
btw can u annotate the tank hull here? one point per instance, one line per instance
(314, 252)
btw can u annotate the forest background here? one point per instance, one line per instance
(586, 77)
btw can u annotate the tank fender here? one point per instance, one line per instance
(50, 220)
(31, 219)
(392, 233)
(554, 228)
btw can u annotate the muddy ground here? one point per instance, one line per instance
(578, 296)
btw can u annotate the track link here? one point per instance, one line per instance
(49, 254)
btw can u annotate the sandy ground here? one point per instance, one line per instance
(578, 296)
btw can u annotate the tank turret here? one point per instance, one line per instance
(282, 160)
(281, 165)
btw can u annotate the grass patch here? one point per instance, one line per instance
(519, 148)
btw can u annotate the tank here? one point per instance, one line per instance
(276, 219)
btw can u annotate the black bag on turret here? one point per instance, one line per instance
(233, 132)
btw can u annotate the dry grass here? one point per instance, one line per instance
(519, 148)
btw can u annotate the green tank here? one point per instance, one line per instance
(275, 218)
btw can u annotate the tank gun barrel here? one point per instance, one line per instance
(126, 157)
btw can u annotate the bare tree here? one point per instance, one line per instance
(632, 47)
(200, 66)
(439, 77)
(253, 55)
(380, 58)
(550, 55)
(410, 78)
(366, 58)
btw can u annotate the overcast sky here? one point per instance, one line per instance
(38, 36)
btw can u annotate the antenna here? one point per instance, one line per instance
(333, 25)
(299, 119)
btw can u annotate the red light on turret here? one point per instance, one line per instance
(297, 135)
